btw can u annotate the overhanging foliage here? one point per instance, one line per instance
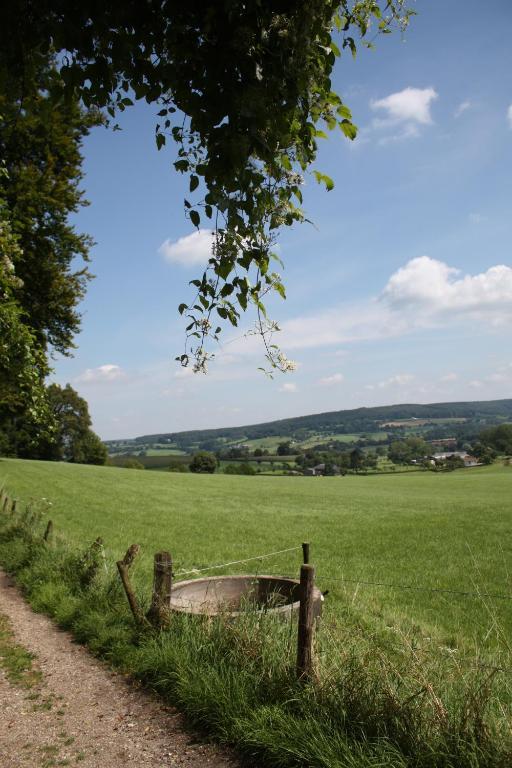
(244, 89)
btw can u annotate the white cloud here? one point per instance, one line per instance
(449, 377)
(425, 293)
(190, 250)
(497, 377)
(476, 218)
(509, 115)
(184, 372)
(431, 288)
(104, 373)
(503, 374)
(462, 107)
(399, 380)
(288, 387)
(330, 381)
(410, 106)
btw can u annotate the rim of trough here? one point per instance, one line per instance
(288, 607)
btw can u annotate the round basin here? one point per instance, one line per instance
(232, 594)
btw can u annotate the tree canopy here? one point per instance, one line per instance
(41, 278)
(22, 363)
(74, 440)
(40, 147)
(245, 92)
(499, 438)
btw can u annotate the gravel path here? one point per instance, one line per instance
(82, 713)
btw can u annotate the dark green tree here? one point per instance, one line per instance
(403, 451)
(23, 403)
(284, 449)
(203, 462)
(241, 468)
(74, 439)
(484, 453)
(356, 459)
(41, 136)
(498, 438)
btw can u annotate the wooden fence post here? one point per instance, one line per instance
(305, 552)
(123, 567)
(305, 629)
(159, 613)
(48, 532)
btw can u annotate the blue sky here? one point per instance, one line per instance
(400, 292)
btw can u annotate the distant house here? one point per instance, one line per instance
(469, 461)
(319, 470)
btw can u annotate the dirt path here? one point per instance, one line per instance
(79, 712)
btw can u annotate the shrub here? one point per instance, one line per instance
(203, 462)
(243, 468)
(133, 464)
(178, 466)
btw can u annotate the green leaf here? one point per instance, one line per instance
(279, 287)
(195, 218)
(322, 178)
(181, 165)
(182, 308)
(349, 129)
(344, 112)
(194, 183)
(160, 140)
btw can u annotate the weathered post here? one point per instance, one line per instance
(159, 613)
(123, 567)
(48, 532)
(305, 629)
(305, 552)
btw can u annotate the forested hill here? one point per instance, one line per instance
(474, 413)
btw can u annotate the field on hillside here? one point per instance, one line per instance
(448, 531)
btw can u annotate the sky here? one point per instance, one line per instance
(399, 291)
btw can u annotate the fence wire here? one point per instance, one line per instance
(236, 562)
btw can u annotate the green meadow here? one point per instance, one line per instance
(445, 531)
(405, 676)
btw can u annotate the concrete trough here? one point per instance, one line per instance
(230, 595)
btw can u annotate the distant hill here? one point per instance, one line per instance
(461, 417)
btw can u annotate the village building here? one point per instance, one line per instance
(469, 461)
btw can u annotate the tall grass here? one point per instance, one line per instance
(383, 696)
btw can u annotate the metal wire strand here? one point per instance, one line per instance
(236, 562)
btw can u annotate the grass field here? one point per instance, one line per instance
(441, 530)
(376, 437)
(402, 677)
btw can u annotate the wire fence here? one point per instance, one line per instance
(357, 582)
(418, 588)
(236, 562)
